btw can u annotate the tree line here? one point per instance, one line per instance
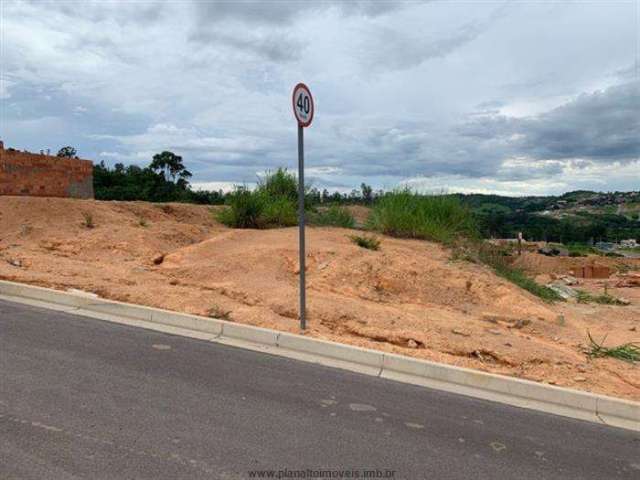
(166, 179)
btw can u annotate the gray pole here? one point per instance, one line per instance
(303, 321)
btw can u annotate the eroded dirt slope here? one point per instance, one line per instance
(409, 297)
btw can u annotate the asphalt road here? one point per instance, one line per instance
(82, 398)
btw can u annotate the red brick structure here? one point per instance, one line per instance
(593, 271)
(40, 175)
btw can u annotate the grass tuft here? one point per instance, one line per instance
(629, 352)
(603, 299)
(406, 214)
(219, 313)
(368, 242)
(333, 216)
(87, 220)
(521, 279)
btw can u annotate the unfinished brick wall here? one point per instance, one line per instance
(44, 175)
(593, 271)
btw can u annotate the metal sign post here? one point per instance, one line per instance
(303, 111)
(303, 296)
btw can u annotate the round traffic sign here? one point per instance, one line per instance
(302, 105)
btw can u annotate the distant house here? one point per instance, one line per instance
(605, 246)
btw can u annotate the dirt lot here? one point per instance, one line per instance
(407, 298)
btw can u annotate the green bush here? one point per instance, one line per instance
(278, 212)
(279, 184)
(244, 209)
(580, 250)
(334, 216)
(272, 204)
(405, 214)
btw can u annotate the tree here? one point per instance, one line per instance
(367, 193)
(171, 167)
(67, 152)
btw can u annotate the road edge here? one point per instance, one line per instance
(507, 390)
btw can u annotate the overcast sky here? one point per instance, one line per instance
(518, 97)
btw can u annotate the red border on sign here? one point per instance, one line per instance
(293, 104)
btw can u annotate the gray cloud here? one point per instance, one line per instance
(391, 48)
(146, 12)
(603, 126)
(283, 12)
(426, 93)
(263, 28)
(629, 73)
(275, 46)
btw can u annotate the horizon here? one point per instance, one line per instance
(512, 99)
(227, 187)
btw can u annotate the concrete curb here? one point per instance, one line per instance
(512, 391)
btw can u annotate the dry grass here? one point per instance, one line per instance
(629, 352)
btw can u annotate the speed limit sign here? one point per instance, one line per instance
(302, 105)
(303, 111)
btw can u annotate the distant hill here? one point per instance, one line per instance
(579, 216)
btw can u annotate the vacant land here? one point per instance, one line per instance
(407, 297)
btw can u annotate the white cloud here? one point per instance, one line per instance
(109, 154)
(224, 186)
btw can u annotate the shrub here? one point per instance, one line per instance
(580, 250)
(278, 212)
(280, 183)
(271, 204)
(244, 209)
(334, 216)
(370, 243)
(440, 218)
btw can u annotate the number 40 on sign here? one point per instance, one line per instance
(303, 105)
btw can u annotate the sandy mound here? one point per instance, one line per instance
(408, 297)
(541, 264)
